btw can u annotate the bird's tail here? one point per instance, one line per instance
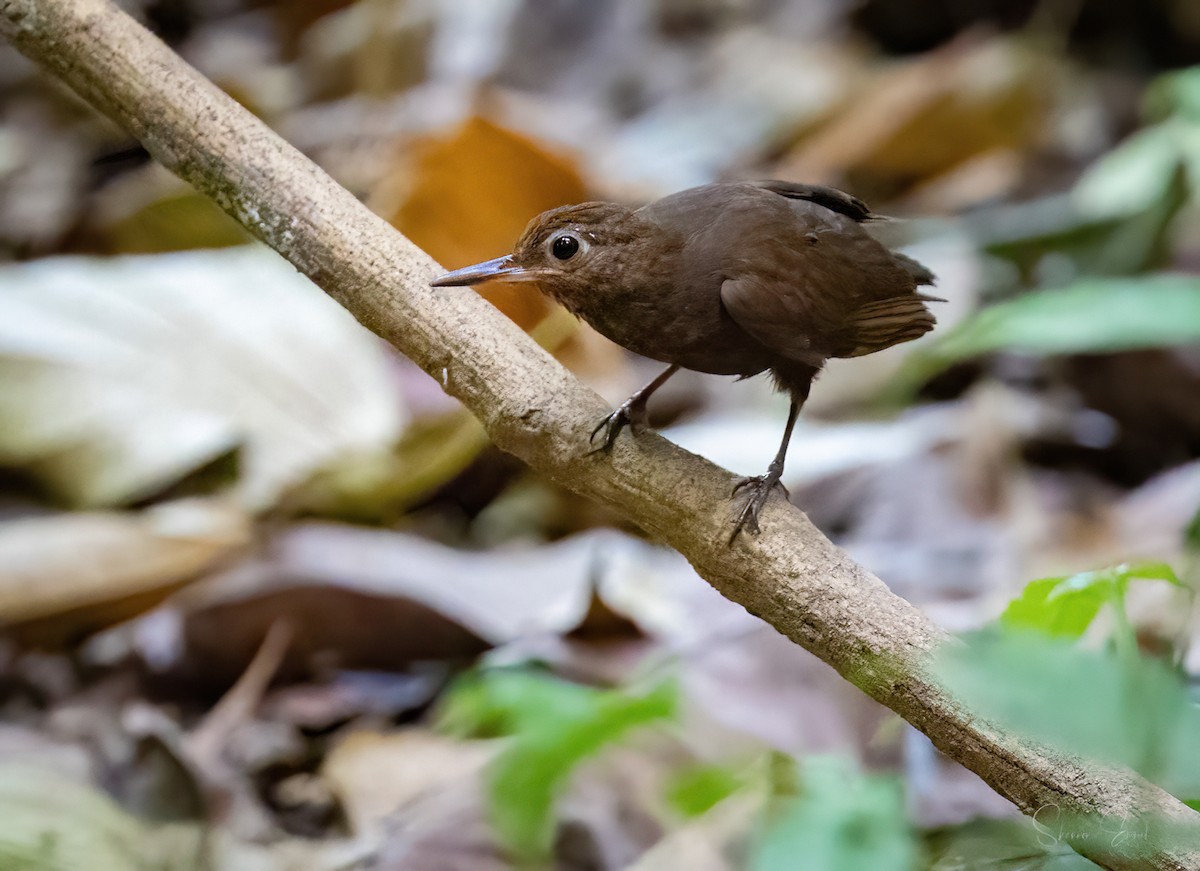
(886, 322)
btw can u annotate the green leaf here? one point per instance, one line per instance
(1064, 607)
(1023, 844)
(1191, 535)
(1133, 176)
(1093, 315)
(554, 725)
(1175, 93)
(499, 702)
(697, 790)
(1050, 606)
(841, 821)
(1089, 232)
(1156, 571)
(1129, 712)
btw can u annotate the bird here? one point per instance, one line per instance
(729, 278)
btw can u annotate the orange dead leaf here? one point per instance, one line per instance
(467, 197)
(928, 116)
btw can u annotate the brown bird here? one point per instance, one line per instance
(730, 279)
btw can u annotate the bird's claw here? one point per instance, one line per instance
(759, 487)
(628, 414)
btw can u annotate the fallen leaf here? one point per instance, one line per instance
(149, 210)
(38, 749)
(758, 89)
(119, 377)
(501, 595)
(925, 116)
(370, 487)
(43, 169)
(466, 197)
(48, 821)
(362, 599)
(424, 795)
(345, 695)
(373, 774)
(336, 629)
(368, 49)
(63, 576)
(714, 842)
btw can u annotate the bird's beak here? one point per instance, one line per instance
(501, 267)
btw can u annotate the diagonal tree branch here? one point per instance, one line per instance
(791, 576)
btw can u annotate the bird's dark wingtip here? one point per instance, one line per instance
(831, 198)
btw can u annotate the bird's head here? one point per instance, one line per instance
(570, 252)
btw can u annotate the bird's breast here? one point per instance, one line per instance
(686, 326)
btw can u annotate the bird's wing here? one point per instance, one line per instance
(776, 320)
(828, 290)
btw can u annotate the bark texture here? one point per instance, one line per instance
(791, 576)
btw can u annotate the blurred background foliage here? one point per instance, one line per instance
(270, 600)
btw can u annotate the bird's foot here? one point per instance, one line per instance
(630, 413)
(757, 490)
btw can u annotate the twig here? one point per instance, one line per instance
(207, 742)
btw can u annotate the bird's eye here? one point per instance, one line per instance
(565, 247)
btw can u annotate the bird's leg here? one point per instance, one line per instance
(759, 487)
(631, 412)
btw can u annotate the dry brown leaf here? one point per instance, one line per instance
(990, 175)
(927, 116)
(426, 795)
(379, 600)
(466, 197)
(373, 774)
(368, 49)
(711, 843)
(376, 600)
(613, 808)
(348, 695)
(69, 574)
(336, 628)
(43, 171)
